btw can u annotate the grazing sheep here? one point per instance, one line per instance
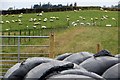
(106, 11)
(2, 22)
(67, 19)
(7, 29)
(43, 27)
(75, 11)
(20, 23)
(21, 13)
(80, 17)
(37, 14)
(34, 27)
(108, 25)
(13, 21)
(91, 19)
(20, 16)
(88, 23)
(96, 18)
(51, 20)
(39, 19)
(78, 21)
(75, 24)
(45, 19)
(19, 20)
(57, 18)
(31, 19)
(34, 19)
(7, 21)
(42, 11)
(67, 16)
(80, 9)
(6, 15)
(40, 14)
(27, 26)
(101, 9)
(36, 23)
(83, 18)
(113, 19)
(13, 15)
(82, 23)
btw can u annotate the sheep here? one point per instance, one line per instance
(7, 21)
(108, 25)
(106, 11)
(113, 19)
(67, 19)
(42, 11)
(20, 23)
(43, 27)
(67, 16)
(45, 19)
(2, 22)
(37, 14)
(88, 23)
(80, 9)
(78, 21)
(51, 20)
(27, 26)
(19, 20)
(83, 18)
(21, 13)
(6, 15)
(106, 16)
(19, 16)
(80, 17)
(13, 21)
(36, 23)
(40, 14)
(34, 27)
(13, 15)
(7, 29)
(91, 19)
(101, 9)
(75, 24)
(39, 19)
(16, 20)
(34, 19)
(96, 18)
(82, 23)
(75, 10)
(31, 19)
(57, 18)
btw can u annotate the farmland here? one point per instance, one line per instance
(79, 37)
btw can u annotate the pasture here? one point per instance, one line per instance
(59, 19)
(99, 26)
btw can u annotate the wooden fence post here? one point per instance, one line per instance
(52, 46)
(98, 47)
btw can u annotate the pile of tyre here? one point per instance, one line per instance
(83, 65)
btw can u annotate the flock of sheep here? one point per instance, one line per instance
(78, 66)
(80, 21)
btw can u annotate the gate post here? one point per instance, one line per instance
(52, 46)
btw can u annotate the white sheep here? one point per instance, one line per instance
(67, 19)
(19, 16)
(82, 23)
(101, 9)
(2, 22)
(6, 15)
(7, 21)
(45, 19)
(108, 25)
(19, 20)
(37, 14)
(67, 16)
(80, 17)
(21, 13)
(80, 9)
(39, 19)
(106, 11)
(96, 18)
(51, 20)
(20, 23)
(78, 21)
(91, 19)
(75, 11)
(34, 19)
(43, 27)
(83, 18)
(113, 19)
(42, 11)
(34, 27)
(13, 21)
(13, 15)
(75, 24)
(40, 14)
(31, 19)
(57, 18)
(7, 29)
(27, 26)
(36, 23)
(88, 23)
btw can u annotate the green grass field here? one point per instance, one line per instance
(62, 22)
(74, 39)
